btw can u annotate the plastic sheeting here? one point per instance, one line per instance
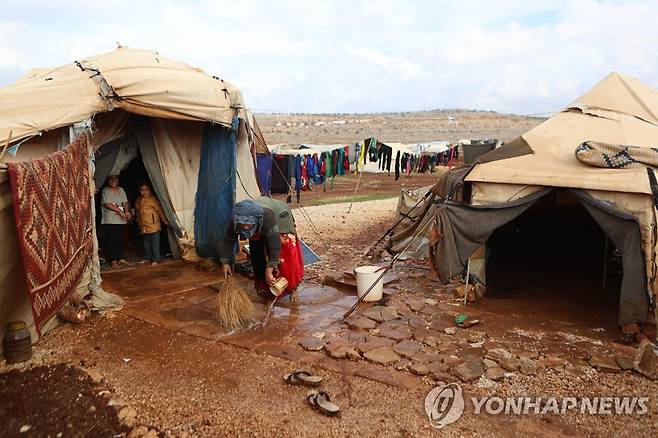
(264, 172)
(215, 194)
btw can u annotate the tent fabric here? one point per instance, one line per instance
(138, 81)
(215, 196)
(264, 171)
(619, 110)
(147, 148)
(460, 229)
(178, 148)
(614, 156)
(247, 184)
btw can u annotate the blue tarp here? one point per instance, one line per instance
(264, 172)
(215, 194)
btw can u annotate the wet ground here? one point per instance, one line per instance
(165, 355)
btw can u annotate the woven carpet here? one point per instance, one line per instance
(52, 207)
(614, 156)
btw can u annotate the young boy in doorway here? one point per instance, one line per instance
(150, 217)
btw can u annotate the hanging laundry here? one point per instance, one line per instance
(397, 166)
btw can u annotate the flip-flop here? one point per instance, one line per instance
(302, 378)
(322, 402)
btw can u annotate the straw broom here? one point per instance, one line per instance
(234, 308)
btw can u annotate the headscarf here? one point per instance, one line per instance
(248, 212)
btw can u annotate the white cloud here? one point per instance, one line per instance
(345, 56)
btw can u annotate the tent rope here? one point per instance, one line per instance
(304, 213)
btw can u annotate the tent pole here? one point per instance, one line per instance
(390, 230)
(605, 263)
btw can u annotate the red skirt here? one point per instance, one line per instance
(291, 265)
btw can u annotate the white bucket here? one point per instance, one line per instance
(365, 277)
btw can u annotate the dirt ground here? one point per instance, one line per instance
(410, 127)
(162, 358)
(371, 186)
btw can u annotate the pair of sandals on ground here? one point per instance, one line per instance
(319, 400)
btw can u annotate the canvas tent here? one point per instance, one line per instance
(189, 128)
(468, 204)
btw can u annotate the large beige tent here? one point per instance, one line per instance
(468, 204)
(128, 102)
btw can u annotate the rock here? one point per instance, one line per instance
(116, 402)
(419, 369)
(415, 321)
(511, 364)
(604, 363)
(408, 349)
(469, 371)
(474, 336)
(389, 313)
(372, 342)
(374, 313)
(438, 369)
(361, 323)
(127, 412)
(528, 366)
(344, 351)
(403, 309)
(529, 354)
(495, 373)
(311, 343)
(397, 334)
(415, 305)
(151, 434)
(490, 345)
(426, 357)
(392, 324)
(94, 375)
(488, 363)
(138, 432)
(443, 377)
(646, 362)
(471, 353)
(552, 362)
(382, 355)
(625, 361)
(450, 330)
(453, 361)
(402, 364)
(499, 354)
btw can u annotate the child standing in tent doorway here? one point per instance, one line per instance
(150, 217)
(115, 214)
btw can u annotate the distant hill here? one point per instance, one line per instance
(403, 127)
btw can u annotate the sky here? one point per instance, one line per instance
(358, 56)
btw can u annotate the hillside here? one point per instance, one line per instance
(410, 127)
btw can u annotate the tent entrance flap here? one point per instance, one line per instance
(464, 228)
(549, 261)
(215, 195)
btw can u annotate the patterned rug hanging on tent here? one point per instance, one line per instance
(52, 208)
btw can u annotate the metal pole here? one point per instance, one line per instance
(468, 275)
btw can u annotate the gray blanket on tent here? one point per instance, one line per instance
(460, 229)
